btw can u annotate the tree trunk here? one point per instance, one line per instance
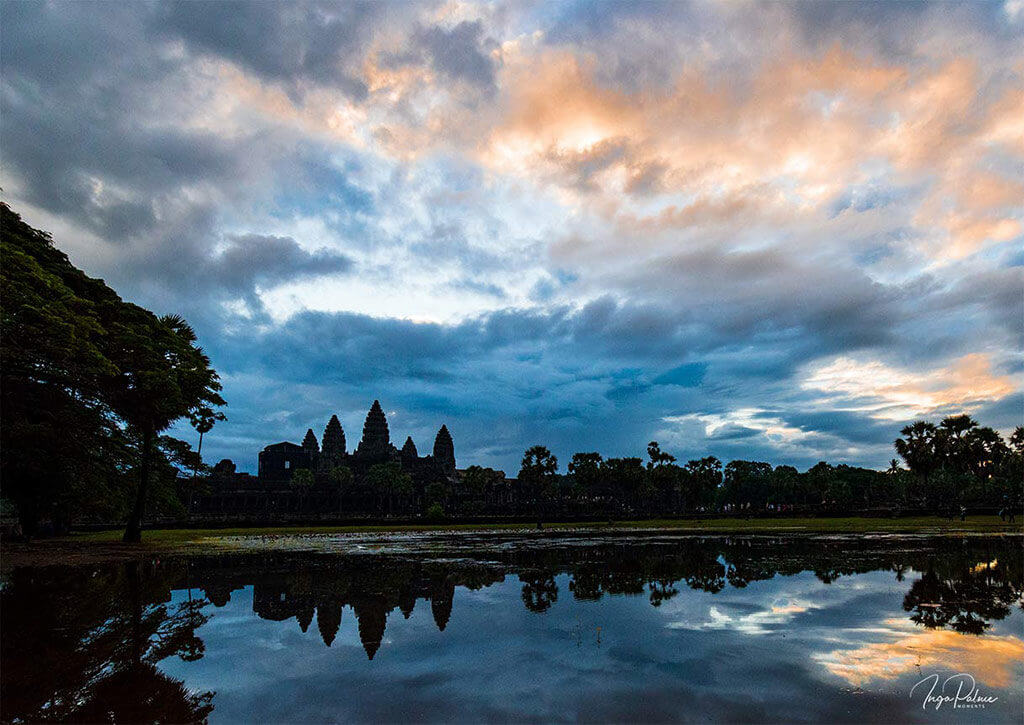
(133, 531)
(192, 483)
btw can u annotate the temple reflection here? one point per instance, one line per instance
(74, 637)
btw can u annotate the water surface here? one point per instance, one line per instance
(497, 628)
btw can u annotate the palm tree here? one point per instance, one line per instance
(918, 447)
(203, 422)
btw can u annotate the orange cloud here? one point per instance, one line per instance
(991, 660)
(801, 128)
(896, 394)
(773, 143)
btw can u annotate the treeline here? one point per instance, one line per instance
(89, 383)
(953, 464)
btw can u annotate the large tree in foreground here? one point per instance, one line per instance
(164, 376)
(88, 383)
(58, 443)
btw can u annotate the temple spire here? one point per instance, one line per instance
(409, 451)
(444, 449)
(376, 437)
(328, 619)
(441, 600)
(309, 442)
(333, 444)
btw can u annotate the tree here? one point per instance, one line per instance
(59, 444)
(625, 478)
(202, 421)
(475, 481)
(657, 456)
(664, 485)
(537, 475)
(917, 448)
(705, 476)
(85, 373)
(341, 477)
(747, 482)
(958, 461)
(585, 473)
(303, 480)
(163, 376)
(475, 485)
(388, 481)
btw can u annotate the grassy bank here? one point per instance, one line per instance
(853, 525)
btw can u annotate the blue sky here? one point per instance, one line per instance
(773, 231)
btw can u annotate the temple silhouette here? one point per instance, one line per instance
(374, 479)
(279, 461)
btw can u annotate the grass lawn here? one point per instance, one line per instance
(853, 525)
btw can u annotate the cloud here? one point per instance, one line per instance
(896, 394)
(459, 53)
(754, 623)
(296, 44)
(991, 660)
(251, 260)
(760, 231)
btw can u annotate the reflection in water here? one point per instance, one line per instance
(83, 646)
(98, 643)
(990, 660)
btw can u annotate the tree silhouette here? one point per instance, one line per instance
(537, 477)
(539, 593)
(164, 376)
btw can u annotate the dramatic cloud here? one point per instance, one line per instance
(990, 661)
(757, 230)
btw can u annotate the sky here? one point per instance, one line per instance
(768, 231)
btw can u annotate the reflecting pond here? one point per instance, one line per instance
(499, 628)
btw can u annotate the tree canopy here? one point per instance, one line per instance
(89, 382)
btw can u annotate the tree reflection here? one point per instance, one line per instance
(539, 593)
(966, 599)
(84, 644)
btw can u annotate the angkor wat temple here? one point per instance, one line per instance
(279, 461)
(375, 479)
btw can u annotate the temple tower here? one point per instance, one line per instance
(312, 450)
(441, 599)
(444, 450)
(333, 444)
(372, 618)
(409, 453)
(376, 440)
(328, 619)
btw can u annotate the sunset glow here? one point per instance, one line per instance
(537, 214)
